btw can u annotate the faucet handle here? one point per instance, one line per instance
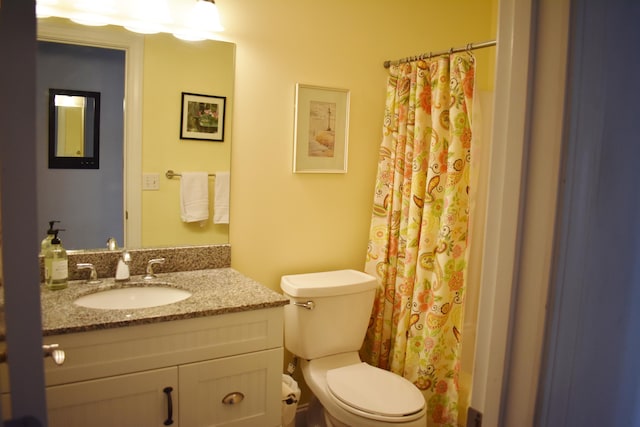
(150, 274)
(93, 276)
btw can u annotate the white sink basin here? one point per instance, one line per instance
(132, 297)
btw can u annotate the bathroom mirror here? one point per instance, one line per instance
(74, 129)
(159, 67)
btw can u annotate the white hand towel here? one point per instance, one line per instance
(194, 196)
(221, 199)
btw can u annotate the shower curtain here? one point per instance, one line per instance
(419, 228)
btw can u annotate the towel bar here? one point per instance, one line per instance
(170, 174)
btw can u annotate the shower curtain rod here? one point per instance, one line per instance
(469, 46)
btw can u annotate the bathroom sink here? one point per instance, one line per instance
(133, 297)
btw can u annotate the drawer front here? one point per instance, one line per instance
(110, 352)
(234, 391)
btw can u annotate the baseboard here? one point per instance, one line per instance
(301, 415)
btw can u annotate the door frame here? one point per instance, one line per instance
(528, 126)
(19, 239)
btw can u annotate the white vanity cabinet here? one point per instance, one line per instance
(124, 400)
(222, 370)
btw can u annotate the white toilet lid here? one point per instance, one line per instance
(376, 392)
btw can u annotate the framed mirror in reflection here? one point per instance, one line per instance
(74, 129)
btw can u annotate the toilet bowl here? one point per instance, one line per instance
(325, 323)
(353, 393)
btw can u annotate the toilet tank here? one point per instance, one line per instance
(337, 323)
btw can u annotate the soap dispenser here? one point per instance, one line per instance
(122, 269)
(46, 242)
(56, 264)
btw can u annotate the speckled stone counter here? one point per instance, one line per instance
(180, 258)
(214, 291)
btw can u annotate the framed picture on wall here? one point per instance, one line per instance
(321, 129)
(202, 117)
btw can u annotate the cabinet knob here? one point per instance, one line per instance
(55, 352)
(48, 350)
(233, 398)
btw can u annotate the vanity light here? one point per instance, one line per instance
(202, 20)
(44, 8)
(92, 12)
(148, 16)
(69, 101)
(186, 19)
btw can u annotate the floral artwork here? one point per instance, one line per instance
(202, 117)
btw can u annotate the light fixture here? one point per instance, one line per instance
(201, 22)
(186, 19)
(44, 8)
(69, 101)
(147, 16)
(92, 12)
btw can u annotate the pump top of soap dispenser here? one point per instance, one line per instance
(46, 242)
(56, 240)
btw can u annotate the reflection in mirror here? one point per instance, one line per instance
(156, 69)
(88, 201)
(74, 129)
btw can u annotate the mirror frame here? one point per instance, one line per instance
(79, 162)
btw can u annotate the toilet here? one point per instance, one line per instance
(324, 326)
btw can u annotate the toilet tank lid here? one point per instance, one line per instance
(327, 283)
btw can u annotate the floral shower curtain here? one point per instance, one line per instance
(419, 228)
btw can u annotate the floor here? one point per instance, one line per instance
(301, 416)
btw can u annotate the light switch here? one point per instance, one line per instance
(150, 181)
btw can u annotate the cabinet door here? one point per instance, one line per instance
(133, 400)
(251, 384)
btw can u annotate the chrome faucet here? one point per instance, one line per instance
(150, 274)
(112, 244)
(93, 276)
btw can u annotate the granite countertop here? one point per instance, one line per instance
(214, 291)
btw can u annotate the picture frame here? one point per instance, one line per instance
(202, 117)
(321, 129)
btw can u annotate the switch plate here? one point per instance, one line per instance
(150, 181)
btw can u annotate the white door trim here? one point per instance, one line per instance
(525, 166)
(500, 261)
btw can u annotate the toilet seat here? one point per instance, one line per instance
(374, 393)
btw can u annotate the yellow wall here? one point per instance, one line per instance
(171, 67)
(285, 223)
